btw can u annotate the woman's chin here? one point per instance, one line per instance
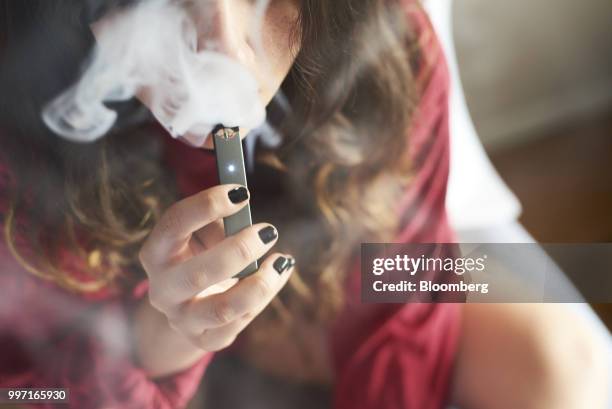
(197, 140)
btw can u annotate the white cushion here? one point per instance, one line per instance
(476, 197)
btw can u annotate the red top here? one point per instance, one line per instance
(384, 355)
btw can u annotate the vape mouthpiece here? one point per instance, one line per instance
(225, 132)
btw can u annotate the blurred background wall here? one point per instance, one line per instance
(538, 81)
(528, 65)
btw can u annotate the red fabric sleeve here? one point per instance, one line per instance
(60, 341)
(96, 373)
(401, 356)
(50, 337)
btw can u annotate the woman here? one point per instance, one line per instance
(103, 263)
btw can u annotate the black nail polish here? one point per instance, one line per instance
(240, 194)
(267, 234)
(283, 264)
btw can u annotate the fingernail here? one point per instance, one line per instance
(267, 234)
(283, 264)
(240, 194)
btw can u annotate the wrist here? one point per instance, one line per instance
(158, 348)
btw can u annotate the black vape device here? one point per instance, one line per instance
(231, 169)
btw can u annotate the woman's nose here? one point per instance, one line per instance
(224, 28)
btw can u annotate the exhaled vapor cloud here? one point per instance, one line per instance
(154, 46)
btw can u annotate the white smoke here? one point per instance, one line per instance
(154, 46)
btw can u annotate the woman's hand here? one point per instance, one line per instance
(190, 264)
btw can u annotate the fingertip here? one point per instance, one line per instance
(238, 193)
(283, 263)
(292, 263)
(267, 233)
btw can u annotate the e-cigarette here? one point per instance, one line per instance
(230, 167)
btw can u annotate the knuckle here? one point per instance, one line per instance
(243, 250)
(175, 313)
(156, 299)
(155, 303)
(146, 260)
(172, 219)
(222, 311)
(217, 344)
(209, 340)
(175, 325)
(195, 279)
(142, 257)
(200, 341)
(226, 342)
(142, 254)
(262, 287)
(213, 204)
(203, 339)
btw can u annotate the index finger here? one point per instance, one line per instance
(188, 215)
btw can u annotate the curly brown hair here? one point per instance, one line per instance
(336, 178)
